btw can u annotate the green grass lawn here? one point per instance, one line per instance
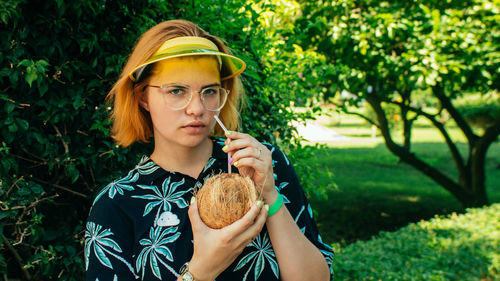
(375, 192)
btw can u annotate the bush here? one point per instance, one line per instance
(458, 247)
(58, 61)
(480, 110)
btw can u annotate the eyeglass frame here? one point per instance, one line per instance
(162, 87)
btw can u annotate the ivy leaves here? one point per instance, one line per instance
(34, 71)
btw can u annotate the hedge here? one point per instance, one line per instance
(58, 60)
(457, 247)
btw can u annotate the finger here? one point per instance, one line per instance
(254, 163)
(237, 135)
(259, 222)
(259, 152)
(237, 144)
(246, 221)
(194, 217)
(249, 235)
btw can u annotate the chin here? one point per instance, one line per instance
(194, 140)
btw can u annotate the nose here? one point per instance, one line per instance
(195, 106)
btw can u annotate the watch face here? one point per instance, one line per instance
(187, 277)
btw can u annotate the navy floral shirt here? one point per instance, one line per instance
(139, 229)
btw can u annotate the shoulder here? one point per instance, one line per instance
(118, 187)
(125, 185)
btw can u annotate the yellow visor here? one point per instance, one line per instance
(192, 46)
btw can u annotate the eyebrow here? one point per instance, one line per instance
(185, 87)
(211, 85)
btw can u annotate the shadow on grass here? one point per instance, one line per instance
(377, 193)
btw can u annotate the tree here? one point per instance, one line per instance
(420, 57)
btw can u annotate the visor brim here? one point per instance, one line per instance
(231, 65)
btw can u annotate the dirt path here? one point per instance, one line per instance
(316, 132)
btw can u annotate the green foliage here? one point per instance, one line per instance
(391, 111)
(59, 59)
(413, 58)
(55, 150)
(395, 47)
(458, 247)
(480, 110)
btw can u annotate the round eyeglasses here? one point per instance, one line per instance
(178, 97)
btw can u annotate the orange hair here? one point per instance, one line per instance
(131, 123)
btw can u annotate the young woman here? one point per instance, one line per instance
(146, 225)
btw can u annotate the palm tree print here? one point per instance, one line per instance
(279, 188)
(119, 185)
(264, 252)
(146, 167)
(273, 148)
(102, 243)
(155, 248)
(164, 197)
(328, 254)
(209, 164)
(302, 229)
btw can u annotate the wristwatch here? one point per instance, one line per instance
(185, 274)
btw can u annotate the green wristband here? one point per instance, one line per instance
(275, 206)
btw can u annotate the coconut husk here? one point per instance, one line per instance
(225, 198)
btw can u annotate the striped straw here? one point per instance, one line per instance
(229, 141)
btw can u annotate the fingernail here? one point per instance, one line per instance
(224, 148)
(267, 207)
(236, 164)
(230, 160)
(193, 199)
(259, 203)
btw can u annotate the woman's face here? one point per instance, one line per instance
(191, 125)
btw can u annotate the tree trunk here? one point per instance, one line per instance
(407, 123)
(471, 190)
(407, 127)
(477, 164)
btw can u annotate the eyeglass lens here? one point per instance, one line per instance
(212, 98)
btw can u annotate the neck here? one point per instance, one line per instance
(187, 160)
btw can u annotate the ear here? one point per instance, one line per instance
(143, 101)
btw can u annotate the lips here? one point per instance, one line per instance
(195, 127)
(195, 124)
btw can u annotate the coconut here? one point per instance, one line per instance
(225, 198)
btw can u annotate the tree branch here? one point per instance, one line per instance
(461, 123)
(60, 187)
(457, 157)
(383, 123)
(357, 114)
(60, 136)
(17, 257)
(410, 158)
(490, 134)
(364, 117)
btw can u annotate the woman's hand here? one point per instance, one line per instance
(216, 249)
(253, 159)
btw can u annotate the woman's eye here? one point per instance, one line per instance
(176, 92)
(209, 92)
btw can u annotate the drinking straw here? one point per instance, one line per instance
(229, 141)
